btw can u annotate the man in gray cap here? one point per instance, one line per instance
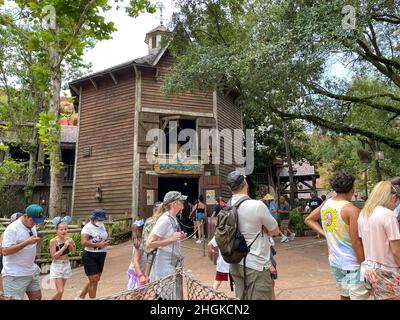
(255, 222)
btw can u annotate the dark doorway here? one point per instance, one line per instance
(188, 186)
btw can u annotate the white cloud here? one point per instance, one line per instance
(128, 41)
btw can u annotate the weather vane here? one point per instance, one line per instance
(161, 7)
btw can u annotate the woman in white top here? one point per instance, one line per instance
(166, 237)
(94, 239)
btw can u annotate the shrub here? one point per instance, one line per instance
(45, 246)
(295, 218)
(117, 227)
(77, 239)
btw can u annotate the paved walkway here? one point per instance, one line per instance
(303, 271)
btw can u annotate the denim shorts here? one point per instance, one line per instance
(200, 216)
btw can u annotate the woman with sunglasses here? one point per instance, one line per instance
(380, 234)
(166, 237)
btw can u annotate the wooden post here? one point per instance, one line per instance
(76, 154)
(179, 285)
(289, 161)
(126, 224)
(136, 154)
(110, 225)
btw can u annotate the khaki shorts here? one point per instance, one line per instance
(284, 224)
(259, 283)
(60, 269)
(15, 287)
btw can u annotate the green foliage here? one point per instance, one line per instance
(279, 54)
(295, 218)
(45, 246)
(77, 239)
(11, 171)
(49, 132)
(117, 227)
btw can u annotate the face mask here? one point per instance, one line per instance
(99, 223)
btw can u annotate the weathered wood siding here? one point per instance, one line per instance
(152, 97)
(106, 125)
(228, 117)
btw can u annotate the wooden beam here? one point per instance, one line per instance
(286, 186)
(74, 89)
(114, 78)
(177, 112)
(94, 84)
(306, 184)
(158, 74)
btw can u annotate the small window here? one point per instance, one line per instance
(154, 42)
(87, 152)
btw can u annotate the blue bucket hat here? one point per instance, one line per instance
(98, 215)
(35, 212)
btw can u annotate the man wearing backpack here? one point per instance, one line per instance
(256, 224)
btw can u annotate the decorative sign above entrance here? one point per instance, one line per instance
(179, 168)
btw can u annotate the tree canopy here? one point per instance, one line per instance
(280, 56)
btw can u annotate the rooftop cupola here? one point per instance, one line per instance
(153, 38)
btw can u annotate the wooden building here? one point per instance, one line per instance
(41, 191)
(117, 107)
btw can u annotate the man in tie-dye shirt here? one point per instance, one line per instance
(339, 225)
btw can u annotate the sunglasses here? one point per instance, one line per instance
(30, 233)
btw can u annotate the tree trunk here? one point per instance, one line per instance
(289, 161)
(56, 170)
(378, 170)
(32, 169)
(366, 182)
(31, 179)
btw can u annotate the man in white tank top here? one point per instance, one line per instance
(339, 226)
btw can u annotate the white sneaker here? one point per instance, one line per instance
(271, 241)
(284, 239)
(78, 298)
(199, 241)
(292, 236)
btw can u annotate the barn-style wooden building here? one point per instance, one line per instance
(117, 107)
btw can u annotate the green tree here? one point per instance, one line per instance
(280, 53)
(60, 31)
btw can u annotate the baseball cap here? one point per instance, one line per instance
(98, 215)
(35, 212)
(172, 196)
(235, 179)
(15, 216)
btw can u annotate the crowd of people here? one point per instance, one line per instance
(364, 245)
